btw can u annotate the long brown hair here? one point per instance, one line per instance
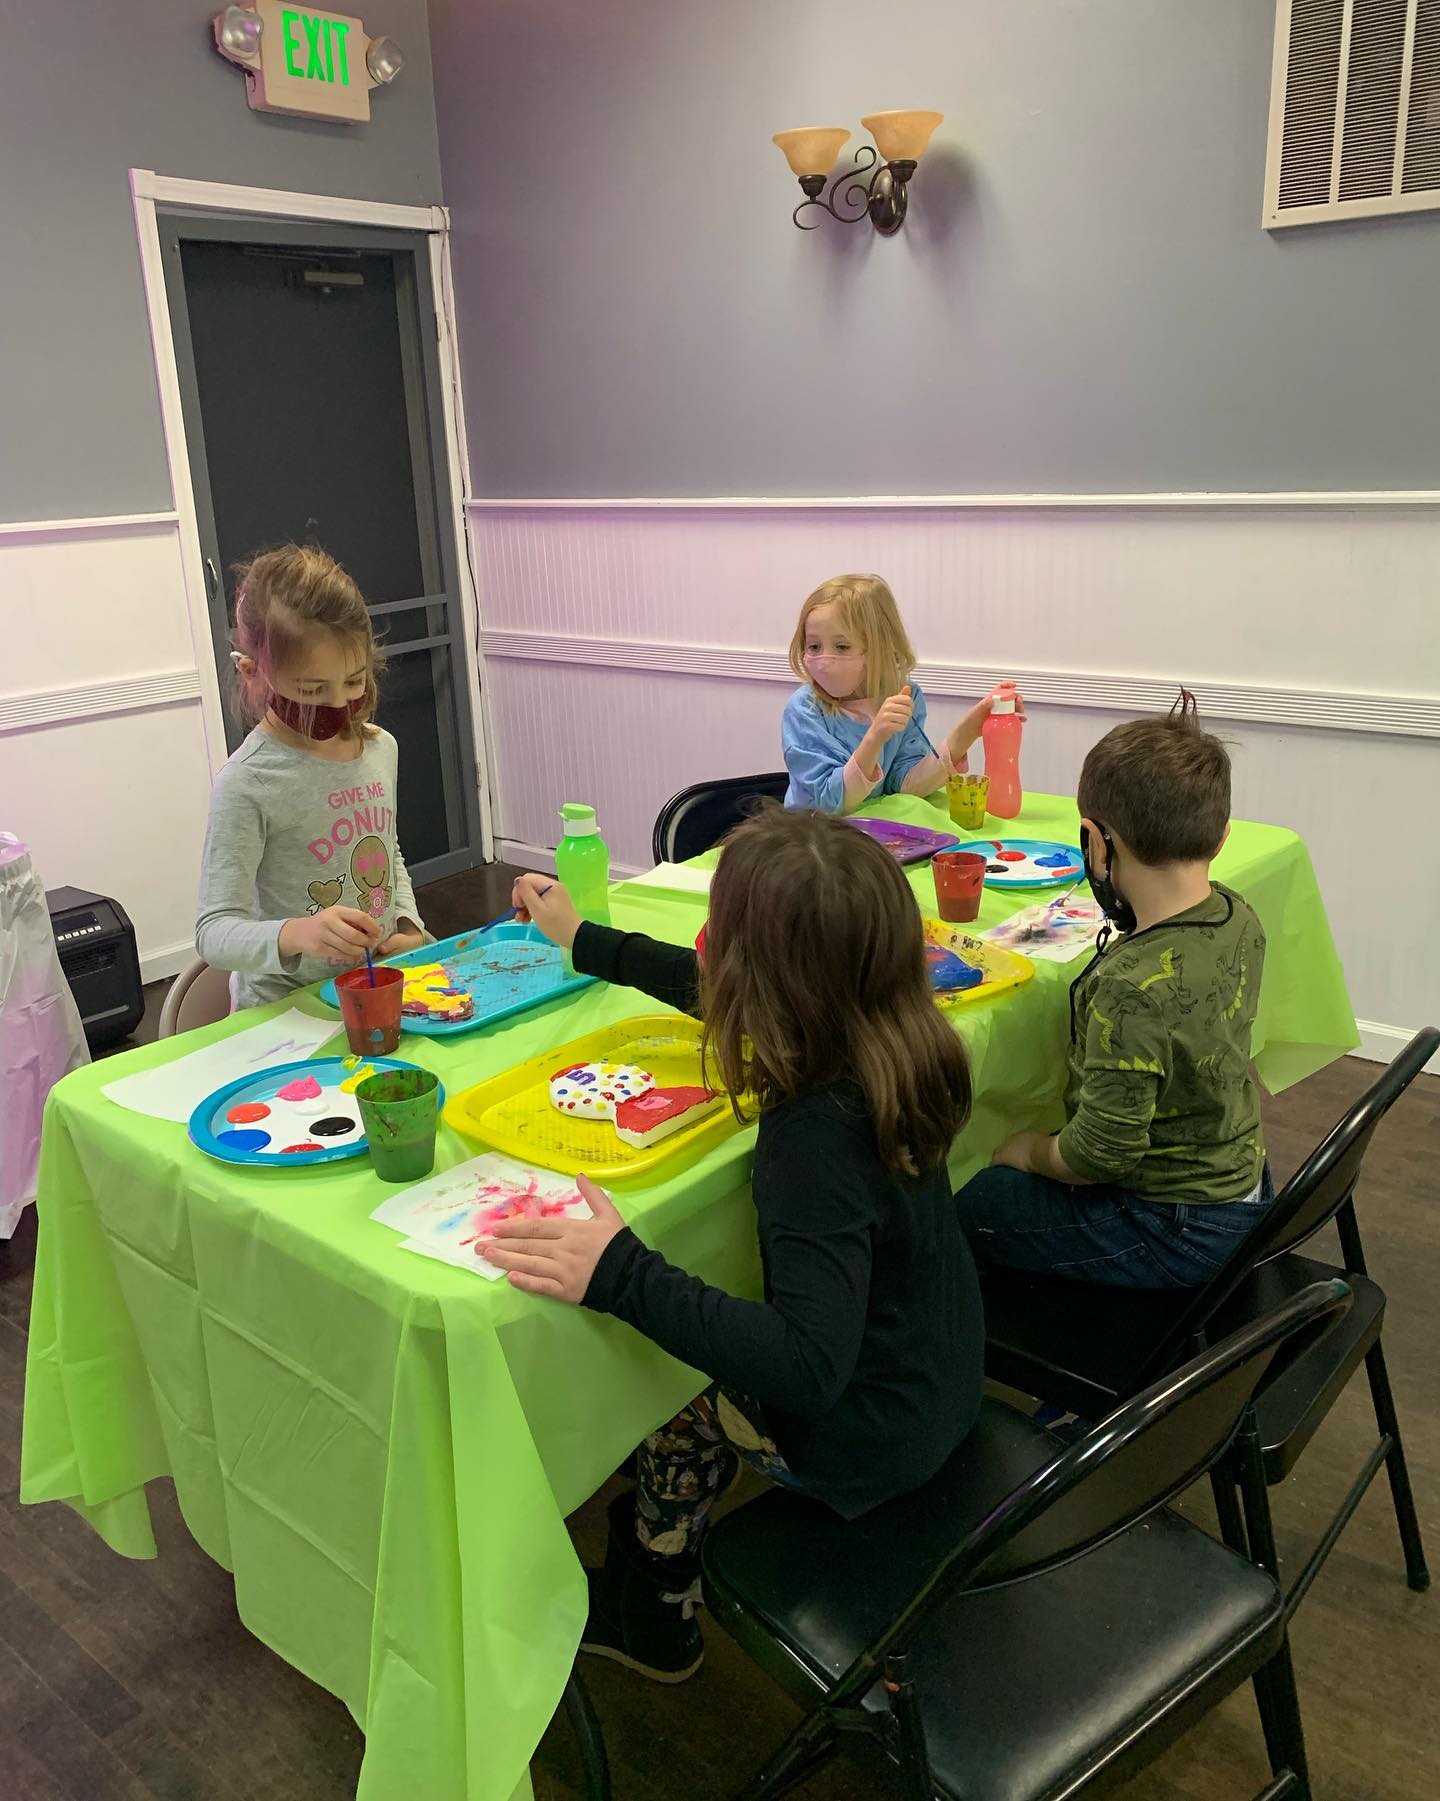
(814, 972)
(281, 597)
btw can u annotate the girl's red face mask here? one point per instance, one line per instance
(700, 944)
(318, 723)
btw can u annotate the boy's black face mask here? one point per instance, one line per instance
(1115, 908)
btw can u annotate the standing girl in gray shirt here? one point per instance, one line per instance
(302, 869)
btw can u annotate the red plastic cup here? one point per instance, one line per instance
(371, 1015)
(959, 880)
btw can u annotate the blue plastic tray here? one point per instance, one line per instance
(507, 969)
(287, 1122)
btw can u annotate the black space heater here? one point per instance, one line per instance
(96, 942)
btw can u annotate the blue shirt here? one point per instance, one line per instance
(818, 744)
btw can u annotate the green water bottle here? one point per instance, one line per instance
(582, 862)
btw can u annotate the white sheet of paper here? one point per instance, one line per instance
(175, 1090)
(675, 878)
(448, 1215)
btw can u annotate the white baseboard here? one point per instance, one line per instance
(166, 961)
(533, 856)
(1381, 1043)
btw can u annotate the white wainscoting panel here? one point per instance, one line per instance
(634, 649)
(103, 765)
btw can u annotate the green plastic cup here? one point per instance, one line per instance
(400, 1110)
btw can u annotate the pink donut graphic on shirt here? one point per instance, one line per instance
(370, 872)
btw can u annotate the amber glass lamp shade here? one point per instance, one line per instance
(901, 137)
(813, 149)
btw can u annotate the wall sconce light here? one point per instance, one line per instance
(811, 152)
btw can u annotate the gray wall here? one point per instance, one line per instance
(1083, 299)
(143, 87)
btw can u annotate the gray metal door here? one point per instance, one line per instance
(310, 382)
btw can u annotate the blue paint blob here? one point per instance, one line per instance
(949, 973)
(244, 1140)
(1055, 859)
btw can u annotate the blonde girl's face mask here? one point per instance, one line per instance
(833, 661)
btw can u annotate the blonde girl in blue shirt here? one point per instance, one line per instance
(857, 727)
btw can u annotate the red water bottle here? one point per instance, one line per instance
(1002, 732)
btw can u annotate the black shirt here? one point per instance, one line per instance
(867, 1352)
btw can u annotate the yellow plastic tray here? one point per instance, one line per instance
(512, 1112)
(1002, 969)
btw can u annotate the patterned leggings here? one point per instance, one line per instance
(684, 1468)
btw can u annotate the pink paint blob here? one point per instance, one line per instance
(304, 1088)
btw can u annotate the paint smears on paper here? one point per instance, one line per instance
(450, 1216)
(1053, 932)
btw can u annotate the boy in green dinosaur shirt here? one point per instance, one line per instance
(1160, 1168)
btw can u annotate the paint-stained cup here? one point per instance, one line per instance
(959, 881)
(399, 1109)
(371, 1014)
(967, 795)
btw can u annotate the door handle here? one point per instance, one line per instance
(212, 578)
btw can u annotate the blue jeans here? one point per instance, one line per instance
(1015, 1220)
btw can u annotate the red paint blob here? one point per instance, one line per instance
(1011, 856)
(301, 1147)
(247, 1112)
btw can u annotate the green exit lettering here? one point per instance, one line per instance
(324, 49)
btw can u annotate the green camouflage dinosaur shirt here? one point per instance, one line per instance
(1159, 1097)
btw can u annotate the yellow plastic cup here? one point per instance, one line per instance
(967, 795)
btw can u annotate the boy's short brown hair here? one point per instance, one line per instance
(1162, 784)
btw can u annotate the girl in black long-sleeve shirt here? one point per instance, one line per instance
(859, 1372)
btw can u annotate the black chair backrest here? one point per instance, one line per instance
(1150, 1449)
(1309, 1200)
(697, 818)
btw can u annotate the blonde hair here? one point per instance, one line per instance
(814, 973)
(864, 607)
(283, 597)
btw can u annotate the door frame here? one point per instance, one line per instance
(149, 190)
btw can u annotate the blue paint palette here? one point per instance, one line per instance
(289, 1115)
(502, 970)
(1028, 862)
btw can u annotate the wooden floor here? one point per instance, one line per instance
(135, 1682)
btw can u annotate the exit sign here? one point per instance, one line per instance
(311, 63)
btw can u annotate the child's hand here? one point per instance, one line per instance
(555, 1257)
(337, 935)
(540, 900)
(973, 722)
(405, 937)
(1018, 1151)
(894, 715)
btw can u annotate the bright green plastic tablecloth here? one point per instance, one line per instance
(383, 1448)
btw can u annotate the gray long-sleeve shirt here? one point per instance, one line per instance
(291, 834)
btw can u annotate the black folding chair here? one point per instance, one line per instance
(1084, 1347)
(1034, 1623)
(589, 1740)
(697, 818)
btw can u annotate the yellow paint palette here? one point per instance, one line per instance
(512, 1112)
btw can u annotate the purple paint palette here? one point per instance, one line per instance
(905, 843)
(290, 1115)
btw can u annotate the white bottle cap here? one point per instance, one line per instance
(1002, 706)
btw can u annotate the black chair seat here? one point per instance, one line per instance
(1294, 1406)
(1023, 1685)
(1070, 1343)
(1086, 1348)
